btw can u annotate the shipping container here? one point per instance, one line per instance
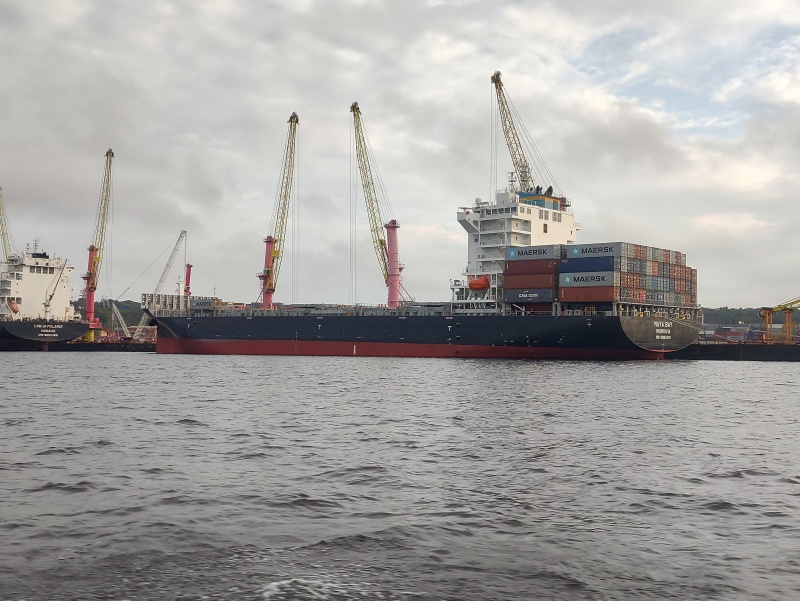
(600, 294)
(601, 249)
(590, 264)
(546, 251)
(541, 295)
(540, 280)
(530, 267)
(592, 278)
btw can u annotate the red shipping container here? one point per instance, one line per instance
(588, 294)
(530, 267)
(538, 307)
(541, 280)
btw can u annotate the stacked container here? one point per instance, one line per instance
(631, 273)
(531, 274)
(599, 273)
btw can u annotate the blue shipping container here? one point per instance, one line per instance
(589, 264)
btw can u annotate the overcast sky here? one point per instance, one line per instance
(676, 126)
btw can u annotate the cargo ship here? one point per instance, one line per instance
(529, 291)
(35, 301)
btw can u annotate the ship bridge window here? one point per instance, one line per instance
(541, 214)
(544, 228)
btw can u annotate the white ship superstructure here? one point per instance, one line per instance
(34, 285)
(515, 218)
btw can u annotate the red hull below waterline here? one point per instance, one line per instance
(372, 349)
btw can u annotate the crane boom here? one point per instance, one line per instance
(386, 248)
(5, 236)
(370, 197)
(521, 165)
(96, 249)
(137, 334)
(121, 320)
(275, 241)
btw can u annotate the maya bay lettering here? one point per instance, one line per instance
(663, 330)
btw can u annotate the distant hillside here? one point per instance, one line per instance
(728, 315)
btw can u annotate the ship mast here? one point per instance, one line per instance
(275, 241)
(386, 249)
(96, 249)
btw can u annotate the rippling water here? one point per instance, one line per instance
(137, 476)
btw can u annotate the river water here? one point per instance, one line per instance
(137, 476)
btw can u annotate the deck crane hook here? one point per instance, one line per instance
(275, 241)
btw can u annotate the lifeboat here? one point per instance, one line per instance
(479, 283)
(13, 306)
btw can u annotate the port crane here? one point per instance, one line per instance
(96, 249)
(5, 235)
(386, 248)
(787, 334)
(280, 213)
(516, 149)
(138, 333)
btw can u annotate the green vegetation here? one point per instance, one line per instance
(728, 315)
(131, 312)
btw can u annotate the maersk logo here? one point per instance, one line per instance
(593, 250)
(587, 278)
(512, 253)
(568, 279)
(532, 252)
(576, 251)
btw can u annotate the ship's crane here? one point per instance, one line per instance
(49, 294)
(280, 213)
(96, 249)
(522, 166)
(137, 334)
(118, 316)
(5, 235)
(787, 334)
(386, 248)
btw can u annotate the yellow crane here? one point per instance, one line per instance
(386, 248)
(787, 334)
(280, 214)
(521, 165)
(96, 249)
(526, 158)
(5, 236)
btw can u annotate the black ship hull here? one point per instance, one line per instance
(597, 337)
(739, 352)
(37, 334)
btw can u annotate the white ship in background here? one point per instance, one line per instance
(36, 301)
(34, 285)
(35, 296)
